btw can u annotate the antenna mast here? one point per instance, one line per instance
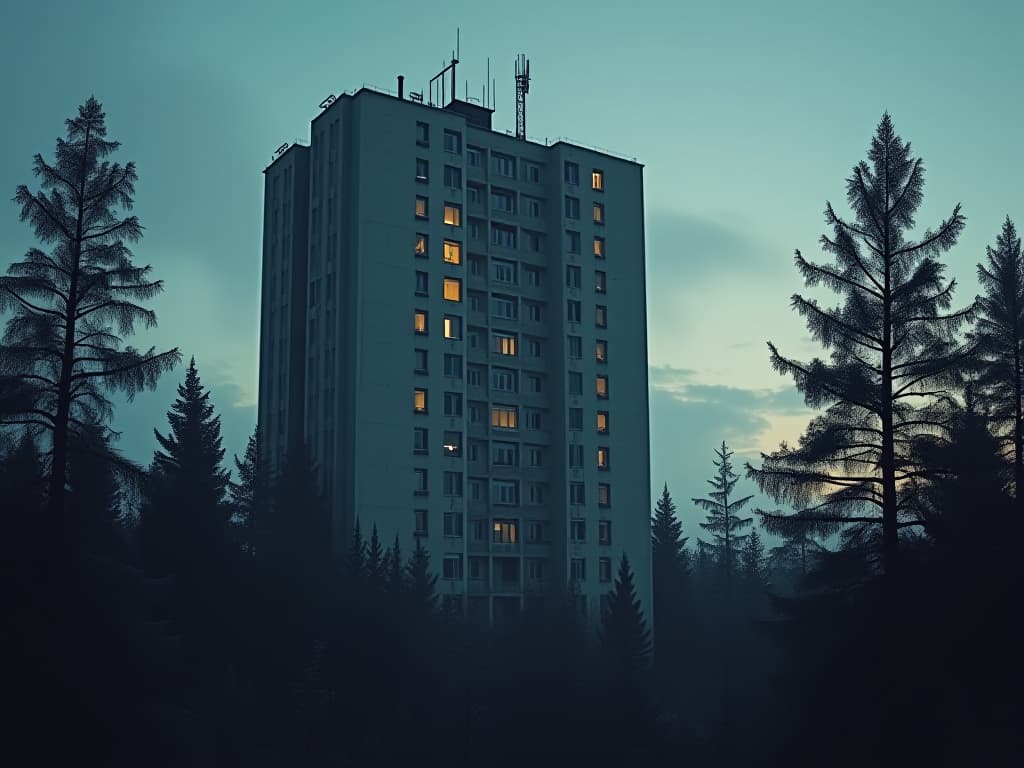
(522, 88)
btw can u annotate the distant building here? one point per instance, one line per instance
(454, 320)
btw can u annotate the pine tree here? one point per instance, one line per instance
(394, 579)
(999, 337)
(894, 356)
(722, 520)
(422, 582)
(375, 565)
(670, 567)
(62, 348)
(250, 496)
(752, 561)
(624, 636)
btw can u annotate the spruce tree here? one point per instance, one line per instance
(894, 356)
(670, 567)
(394, 578)
(999, 337)
(722, 508)
(752, 561)
(375, 564)
(250, 496)
(62, 349)
(624, 636)
(422, 582)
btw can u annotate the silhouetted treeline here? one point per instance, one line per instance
(172, 615)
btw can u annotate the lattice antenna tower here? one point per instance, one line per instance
(522, 88)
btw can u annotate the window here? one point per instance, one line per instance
(603, 457)
(536, 532)
(452, 252)
(598, 213)
(505, 454)
(535, 455)
(533, 420)
(476, 412)
(503, 165)
(505, 343)
(597, 180)
(452, 403)
(504, 492)
(478, 530)
(504, 271)
(576, 418)
(476, 265)
(604, 498)
(578, 531)
(452, 177)
(504, 307)
(453, 366)
(505, 531)
(531, 172)
(503, 236)
(572, 241)
(572, 207)
(453, 214)
(505, 416)
(575, 455)
(419, 321)
(452, 289)
(419, 400)
(600, 286)
(604, 532)
(503, 379)
(476, 486)
(422, 134)
(421, 207)
(604, 569)
(575, 347)
(535, 569)
(534, 313)
(421, 245)
(422, 282)
(577, 493)
(573, 277)
(602, 422)
(420, 521)
(453, 487)
(453, 142)
(503, 200)
(601, 351)
(533, 347)
(474, 193)
(579, 569)
(451, 567)
(572, 173)
(453, 522)
(420, 481)
(601, 316)
(475, 375)
(575, 383)
(453, 444)
(476, 304)
(533, 383)
(531, 206)
(534, 241)
(602, 387)
(420, 364)
(420, 440)
(574, 311)
(422, 169)
(599, 247)
(452, 327)
(474, 156)
(533, 276)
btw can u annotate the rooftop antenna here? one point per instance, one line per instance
(522, 88)
(439, 82)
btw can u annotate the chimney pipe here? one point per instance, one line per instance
(401, 86)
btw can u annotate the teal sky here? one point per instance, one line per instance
(747, 116)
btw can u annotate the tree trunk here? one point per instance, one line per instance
(890, 537)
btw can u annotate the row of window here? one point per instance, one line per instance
(452, 211)
(506, 530)
(452, 139)
(421, 325)
(506, 492)
(572, 210)
(452, 249)
(508, 570)
(452, 174)
(503, 453)
(574, 312)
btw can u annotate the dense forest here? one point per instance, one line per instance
(194, 613)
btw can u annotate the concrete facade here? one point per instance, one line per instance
(469, 304)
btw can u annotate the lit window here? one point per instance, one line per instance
(602, 387)
(452, 214)
(419, 322)
(604, 499)
(505, 531)
(419, 400)
(597, 180)
(601, 351)
(604, 532)
(600, 284)
(452, 290)
(421, 244)
(602, 422)
(599, 247)
(598, 213)
(422, 169)
(604, 569)
(452, 327)
(452, 252)
(603, 457)
(505, 344)
(421, 207)
(505, 417)
(601, 316)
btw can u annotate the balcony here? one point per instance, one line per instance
(481, 547)
(479, 587)
(504, 549)
(506, 586)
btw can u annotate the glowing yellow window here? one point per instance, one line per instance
(506, 418)
(452, 252)
(419, 400)
(603, 457)
(602, 421)
(599, 247)
(598, 213)
(601, 351)
(453, 214)
(421, 207)
(421, 244)
(597, 180)
(602, 386)
(419, 321)
(452, 289)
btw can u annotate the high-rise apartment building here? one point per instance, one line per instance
(454, 321)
